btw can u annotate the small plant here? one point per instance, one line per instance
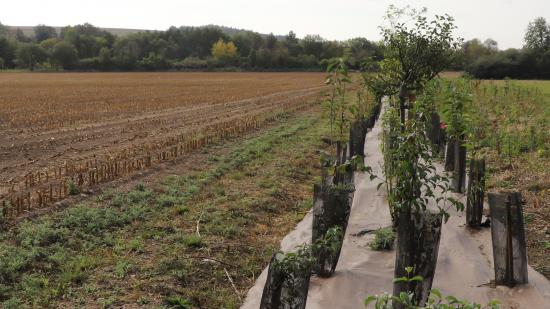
(326, 251)
(140, 187)
(528, 218)
(167, 200)
(182, 210)
(193, 241)
(383, 239)
(435, 301)
(178, 302)
(72, 188)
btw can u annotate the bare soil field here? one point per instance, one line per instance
(61, 133)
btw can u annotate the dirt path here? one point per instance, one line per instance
(464, 267)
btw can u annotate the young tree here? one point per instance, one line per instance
(224, 51)
(415, 52)
(537, 36)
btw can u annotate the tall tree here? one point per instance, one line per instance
(537, 36)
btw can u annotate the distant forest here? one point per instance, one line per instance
(89, 48)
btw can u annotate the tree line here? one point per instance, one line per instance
(89, 48)
(485, 60)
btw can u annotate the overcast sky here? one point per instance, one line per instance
(502, 20)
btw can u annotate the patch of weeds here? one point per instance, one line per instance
(178, 302)
(167, 200)
(122, 268)
(528, 218)
(106, 195)
(34, 284)
(75, 271)
(224, 230)
(383, 239)
(72, 188)
(543, 269)
(118, 200)
(140, 187)
(139, 196)
(193, 241)
(12, 303)
(213, 159)
(90, 288)
(136, 245)
(546, 244)
(32, 234)
(182, 210)
(219, 191)
(170, 264)
(507, 184)
(93, 220)
(237, 176)
(142, 300)
(276, 192)
(266, 183)
(133, 245)
(268, 207)
(305, 205)
(107, 303)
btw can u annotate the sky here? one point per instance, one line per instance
(502, 20)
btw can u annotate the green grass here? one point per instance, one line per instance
(142, 246)
(511, 121)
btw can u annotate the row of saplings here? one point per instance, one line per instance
(288, 275)
(418, 232)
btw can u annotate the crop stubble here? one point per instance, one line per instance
(91, 128)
